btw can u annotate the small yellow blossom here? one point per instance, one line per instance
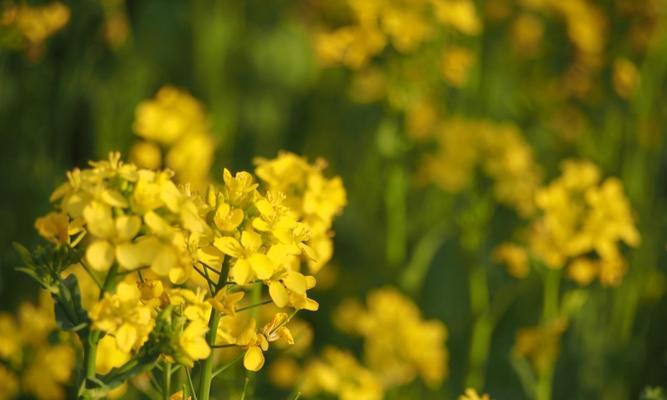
(515, 259)
(471, 394)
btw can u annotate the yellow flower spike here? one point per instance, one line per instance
(100, 255)
(253, 360)
(53, 227)
(225, 302)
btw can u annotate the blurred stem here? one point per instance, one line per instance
(414, 274)
(395, 199)
(550, 311)
(482, 328)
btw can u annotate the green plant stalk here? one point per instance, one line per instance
(166, 381)
(207, 369)
(90, 353)
(396, 208)
(550, 310)
(482, 327)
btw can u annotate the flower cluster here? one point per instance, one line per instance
(338, 373)
(174, 122)
(398, 344)
(497, 149)
(406, 25)
(582, 223)
(313, 198)
(31, 362)
(31, 25)
(164, 270)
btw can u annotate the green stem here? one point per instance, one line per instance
(482, 328)
(207, 369)
(166, 381)
(90, 353)
(550, 311)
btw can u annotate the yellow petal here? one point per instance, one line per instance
(278, 294)
(296, 282)
(251, 240)
(126, 336)
(241, 272)
(253, 360)
(164, 260)
(128, 255)
(229, 246)
(127, 226)
(99, 220)
(114, 199)
(100, 255)
(261, 265)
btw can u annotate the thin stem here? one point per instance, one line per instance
(482, 328)
(191, 386)
(207, 368)
(261, 303)
(226, 366)
(550, 311)
(91, 274)
(166, 381)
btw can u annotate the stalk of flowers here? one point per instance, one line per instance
(582, 223)
(171, 268)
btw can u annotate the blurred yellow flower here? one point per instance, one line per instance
(398, 343)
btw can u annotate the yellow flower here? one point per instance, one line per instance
(225, 302)
(250, 261)
(109, 356)
(390, 321)
(122, 315)
(172, 114)
(540, 345)
(458, 14)
(193, 341)
(579, 216)
(54, 227)
(37, 23)
(146, 155)
(515, 259)
(9, 383)
(338, 373)
(456, 64)
(471, 394)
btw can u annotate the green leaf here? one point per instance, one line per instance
(70, 314)
(25, 255)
